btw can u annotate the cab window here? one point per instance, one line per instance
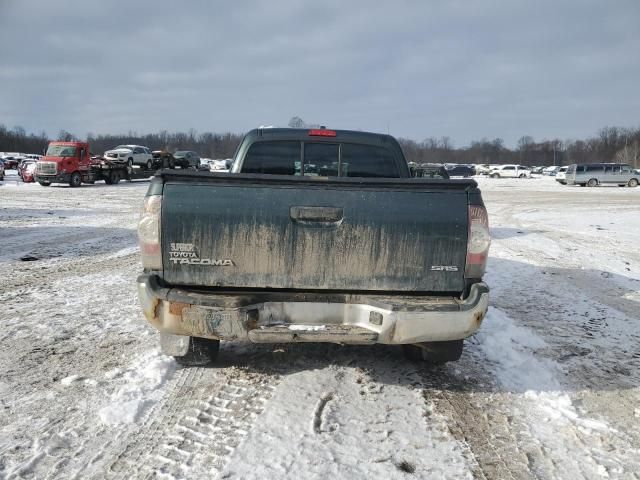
(273, 158)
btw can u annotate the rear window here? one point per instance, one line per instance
(367, 161)
(320, 159)
(273, 158)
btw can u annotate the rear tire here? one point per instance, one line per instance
(435, 353)
(592, 182)
(633, 182)
(202, 351)
(115, 177)
(45, 184)
(76, 180)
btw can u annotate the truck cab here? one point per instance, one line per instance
(64, 162)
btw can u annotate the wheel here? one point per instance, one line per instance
(633, 182)
(149, 164)
(130, 163)
(45, 184)
(522, 175)
(592, 182)
(495, 175)
(76, 180)
(436, 353)
(202, 351)
(115, 177)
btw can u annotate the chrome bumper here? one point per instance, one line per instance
(305, 317)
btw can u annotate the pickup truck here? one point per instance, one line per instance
(313, 236)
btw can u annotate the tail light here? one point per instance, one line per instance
(149, 233)
(478, 242)
(321, 132)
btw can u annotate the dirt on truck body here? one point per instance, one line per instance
(315, 236)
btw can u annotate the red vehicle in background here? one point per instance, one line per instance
(71, 163)
(26, 170)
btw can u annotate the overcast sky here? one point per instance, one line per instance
(418, 69)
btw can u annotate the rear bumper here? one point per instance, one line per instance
(310, 317)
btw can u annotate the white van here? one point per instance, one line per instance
(595, 174)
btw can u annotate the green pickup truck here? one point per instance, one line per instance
(313, 236)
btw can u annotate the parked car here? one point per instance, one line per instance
(11, 162)
(561, 175)
(187, 159)
(23, 165)
(595, 174)
(1, 170)
(551, 171)
(429, 170)
(28, 172)
(455, 170)
(510, 171)
(131, 155)
(483, 169)
(537, 170)
(220, 165)
(163, 159)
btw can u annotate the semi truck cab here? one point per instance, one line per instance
(64, 162)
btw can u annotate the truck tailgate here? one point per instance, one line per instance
(246, 232)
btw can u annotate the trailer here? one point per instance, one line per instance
(70, 163)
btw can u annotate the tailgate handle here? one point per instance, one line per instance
(321, 217)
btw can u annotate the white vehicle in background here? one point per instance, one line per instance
(131, 155)
(561, 175)
(551, 171)
(483, 169)
(510, 171)
(220, 165)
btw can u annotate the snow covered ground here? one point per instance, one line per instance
(549, 387)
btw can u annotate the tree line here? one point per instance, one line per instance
(611, 144)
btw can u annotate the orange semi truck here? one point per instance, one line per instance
(71, 163)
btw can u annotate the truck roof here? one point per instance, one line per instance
(322, 134)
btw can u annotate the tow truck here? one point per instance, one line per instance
(71, 163)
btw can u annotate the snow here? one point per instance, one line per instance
(548, 388)
(141, 389)
(347, 426)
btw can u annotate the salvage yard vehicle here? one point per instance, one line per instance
(510, 171)
(428, 170)
(131, 155)
(187, 159)
(456, 170)
(314, 236)
(163, 159)
(561, 175)
(595, 174)
(26, 171)
(70, 162)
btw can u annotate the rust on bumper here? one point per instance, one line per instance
(283, 318)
